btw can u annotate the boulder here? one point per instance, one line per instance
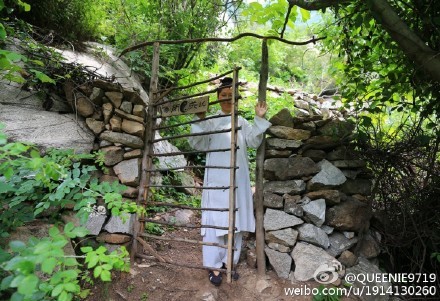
(128, 171)
(276, 219)
(329, 176)
(281, 262)
(309, 260)
(314, 212)
(286, 237)
(42, 127)
(312, 234)
(282, 187)
(283, 118)
(289, 168)
(289, 133)
(349, 216)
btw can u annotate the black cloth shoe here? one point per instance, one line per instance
(216, 280)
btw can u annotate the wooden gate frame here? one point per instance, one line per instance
(156, 100)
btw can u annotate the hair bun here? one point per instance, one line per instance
(226, 81)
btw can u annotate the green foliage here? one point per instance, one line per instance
(33, 183)
(154, 228)
(376, 74)
(103, 263)
(40, 269)
(74, 20)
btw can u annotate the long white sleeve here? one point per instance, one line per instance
(254, 133)
(200, 142)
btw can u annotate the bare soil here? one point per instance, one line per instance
(149, 280)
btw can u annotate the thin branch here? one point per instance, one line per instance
(289, 9)
(201, 40)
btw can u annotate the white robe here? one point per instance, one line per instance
(248, 136)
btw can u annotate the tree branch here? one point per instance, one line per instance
(201, 40)
(316, 4)
(291, 4)
(411, 44)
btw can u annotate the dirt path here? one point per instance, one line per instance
(152, 281)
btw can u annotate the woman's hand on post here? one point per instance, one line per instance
(261, 109)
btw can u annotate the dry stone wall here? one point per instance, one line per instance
(316, 193)
(116, 117)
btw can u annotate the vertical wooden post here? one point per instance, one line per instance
(233, 162)
(148, 149)
(259, 209)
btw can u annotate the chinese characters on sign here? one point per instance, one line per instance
(187, 106)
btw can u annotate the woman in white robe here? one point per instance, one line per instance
(250, 135)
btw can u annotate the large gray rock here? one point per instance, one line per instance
(337, 128)
(282, 187)
(308, 259)
(120, 224)
(286, 237)
(281, 262)
(339, 243)
(366, 270)
(312, 234)
(126, 139)
(314, 212)
(283, 118)
(368, 247)
(349, 216)
(162, 147)
(128, 171)
(272, 200)
(289, 168)
(285, 132)
(109, 65)
(276, 219)
(331, 197)
(329, 176)
(45, 129)
(282, 144)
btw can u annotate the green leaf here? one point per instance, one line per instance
(86, 249)
(28, 285)
(80, 232)
(92, 260)
(106, 275)
(97, 271)
(305, 14)
(17, 297)
(2, 31)
(57, 290)
(42, 77)
(6, 282)
(48, 265)
(17, 246)
(71, 287)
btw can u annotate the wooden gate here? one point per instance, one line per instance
(160, 107)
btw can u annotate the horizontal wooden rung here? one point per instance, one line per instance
(191, 241)
(185, 265)
(149, 220)
(218, 150)
(197, 187)
(193, 135)
(184, 207)
(190, 167)
(190, 122)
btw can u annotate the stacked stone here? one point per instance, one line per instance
(116, 117)
(315, 194)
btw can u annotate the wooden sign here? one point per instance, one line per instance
(186, 106)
